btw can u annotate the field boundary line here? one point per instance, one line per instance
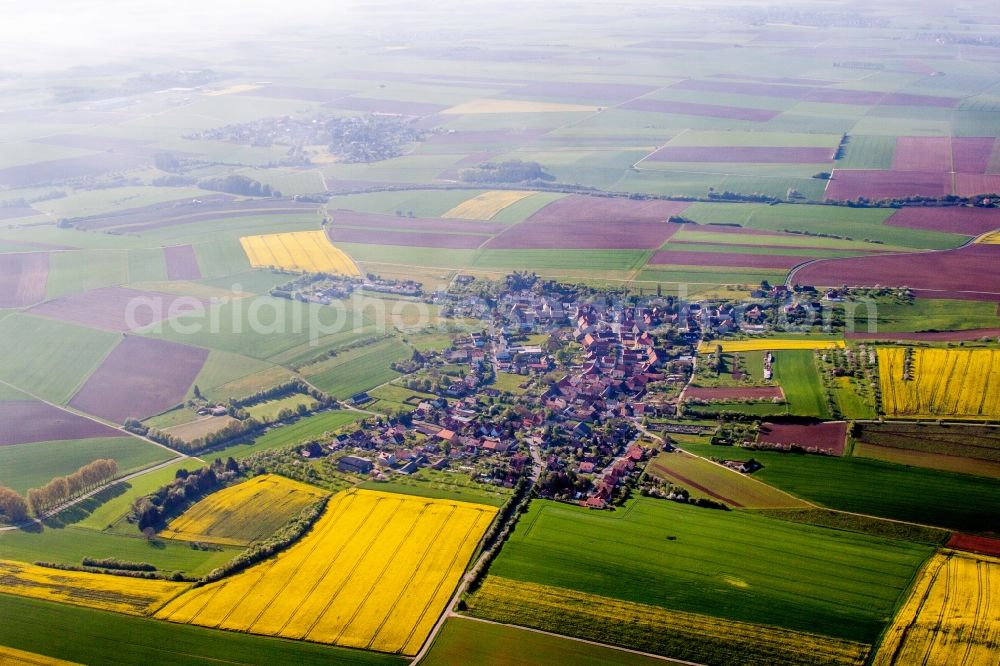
(650, 655)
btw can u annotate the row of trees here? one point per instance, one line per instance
(63, 488)
(150, 511)
(13, 508)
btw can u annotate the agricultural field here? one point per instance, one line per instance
(933, 383)
(243, 513)
(357, 370)
(334, 586)
(965, 449)
(135, 596)
(269, 409)
(703, 478)
(769, 344)
(487, 205)
(950, 617)
(799, 378)
(308, 251)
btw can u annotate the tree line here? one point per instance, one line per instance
(63, 488)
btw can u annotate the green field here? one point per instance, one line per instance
(269, 409)
(110, 506)
(442, 485)
(357, 370)
(33, 465)
(886, 315)
(796, 372)
(302, 430)
(53, 358)
(466, 641)
(90, 636)
(868, 152)
(82, 270)
(961, 501)
(224, 367)
(734, 565)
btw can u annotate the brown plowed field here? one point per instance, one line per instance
(741, 259)
(971, 184)
(109, 308)
(707, 110)
(958, 220)
(182, 263)
(22, 278)
(971, 154)
(829, 437)
(580, 208)
(734, 393)
(922, 153)
(966, 273)
(743, 154)
(24, 421)
(876, 184)
(974, 544)
(139, 378)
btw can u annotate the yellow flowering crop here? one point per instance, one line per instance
(246, 512)
(375, 572)
(486, 205)
(951, 615)
(136, 596)
(307, 251)
(769, 344)
(12, 657)
(962, 383)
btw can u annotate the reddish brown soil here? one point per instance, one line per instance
(182, 263)
(141, 377)
(734, 393)
(875, 184)
(974, 544)
(22, 278)
(971, 184)
(922, 153)
(684, 258)
(971, 154)
(404, 238)
(967, 273)
(958, 220)
(744, 154)
(706, 110)
(584, 235)
(934, 336)
(24, 421)
(108, 308)
(581, 208)
(828, 437)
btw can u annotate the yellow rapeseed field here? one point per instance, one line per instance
(960, 383)
(136, 596)
(246, 512)
(486, 205)
(375, 572)
(308, 251)
(990, 238)
(768, 344)
(504, 599)
(952, 616)
(11, 657)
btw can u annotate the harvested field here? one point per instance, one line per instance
(974, 544)
(199, 428)
(701, 478)
(721, 394)
(970, 185)
(826, 437)
(139, 378)
(768, 344)
(705, 110)
(742, 154)
(874, 184)
(405, 238)
(957, 383)
(954, 219)
(375, 572)
(135, 596)
(486, 205)
(950, 617)
(966, 273)
(741, 259)
(478, 106)
(118, 308)
(308, 251)
(11, 657)
(243, 513)
(182, 263)
(387, 106)
(971, 154)
(929, 336)
(604, 92)
(653, 629)
(22, 278)
(922, 153)
(23, 421)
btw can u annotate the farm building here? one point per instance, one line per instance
(354, 465)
